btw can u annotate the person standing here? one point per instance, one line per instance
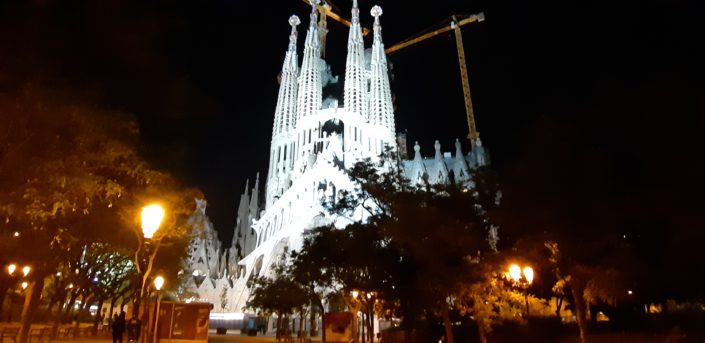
(118, 327)
(134, 325)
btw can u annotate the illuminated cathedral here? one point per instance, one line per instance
(314, 142)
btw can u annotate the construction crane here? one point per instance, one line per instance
(327, 9)
(452, 24)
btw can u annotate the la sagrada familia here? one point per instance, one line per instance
(314, 141)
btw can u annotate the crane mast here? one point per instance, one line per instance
(472, 129)
(454, 25)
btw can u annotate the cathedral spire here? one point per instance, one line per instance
(355, 92)
(254, 200)
(380, 111)
(310, 92)
(285, 113)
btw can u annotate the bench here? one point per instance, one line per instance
(39, 333)
(9, 333)
(64, 332)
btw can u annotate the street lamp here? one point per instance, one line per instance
(529, 274)
(355, 293)
(515, 273)
(158, 283)
(11, 268)
(25, 270)
(152, 217)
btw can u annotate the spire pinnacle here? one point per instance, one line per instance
(417, 151)
(437, 148)
(309, 97)
(293, 21)
(355, 13)
(381, 111)
(355, 89)
(376, 12)
(458, 149)
(314, 12)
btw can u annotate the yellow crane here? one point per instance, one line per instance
(452, 24)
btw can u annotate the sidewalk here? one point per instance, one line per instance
(212, 338)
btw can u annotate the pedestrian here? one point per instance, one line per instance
(134, 325)
(118, 327)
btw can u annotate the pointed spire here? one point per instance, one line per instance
(418, 169)
(309, 96)
(254, 200)
(437, 146)
(460, 168)
(458, 150)
(380, 111)
(355, 92)
(417, 151)
(285, 113)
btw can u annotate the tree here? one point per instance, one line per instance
(279, 295)
(70, 175)
(335, 261)
(414, 222)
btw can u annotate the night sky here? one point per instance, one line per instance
(609, 90)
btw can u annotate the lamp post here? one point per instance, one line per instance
(355, 309)
(10, 271)
(371, 301)
(11, 268)
(158, 283)
(151, 219)
(522, 278)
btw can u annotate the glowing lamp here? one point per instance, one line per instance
(24, 285)
(25, 270)
(529, 274)
(11, 268)
(515, 272)
(152, 217)
(158, 282)
(355, 294)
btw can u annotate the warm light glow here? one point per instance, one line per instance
(515, 272)
(70, 286)
(152, 216)
(630, 292)
(369, 295)
(529, 274)
(158, 282)
(25, 270)
(355, 294)
(24, 285)
(16, 234)
(11, 268)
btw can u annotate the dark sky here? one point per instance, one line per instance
(617, 84)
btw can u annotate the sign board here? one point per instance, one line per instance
(181, 322)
